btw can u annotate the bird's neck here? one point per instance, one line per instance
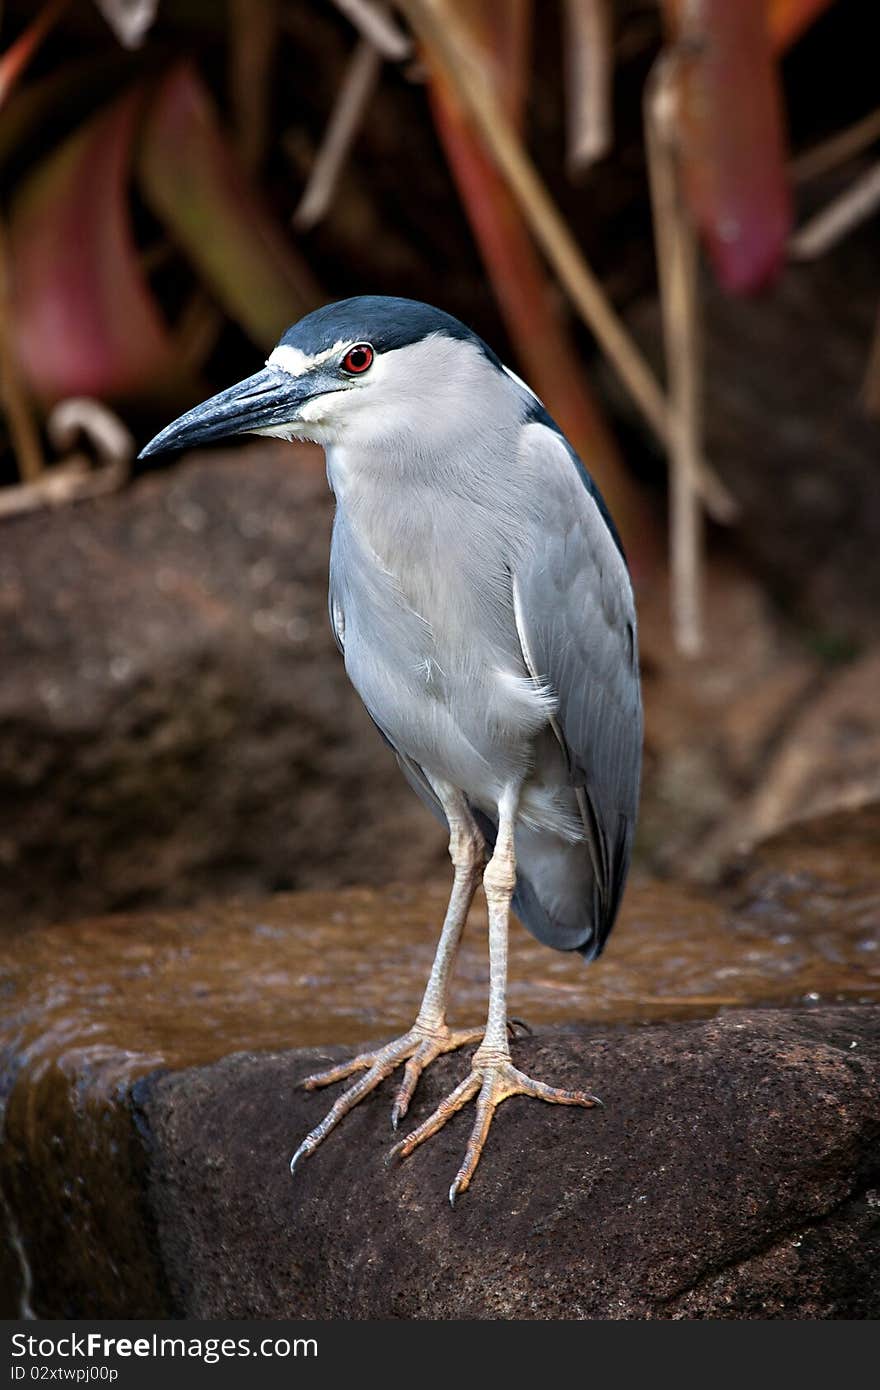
(450, 522)
(394, 511)
(467, 464)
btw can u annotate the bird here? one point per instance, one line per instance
(480, 597)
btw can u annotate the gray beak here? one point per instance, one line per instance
(269, 397)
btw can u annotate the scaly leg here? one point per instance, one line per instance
(493, 1076)
(430, 1036)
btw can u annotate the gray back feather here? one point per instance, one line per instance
(576, 613)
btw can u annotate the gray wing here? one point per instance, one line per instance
(577, 626)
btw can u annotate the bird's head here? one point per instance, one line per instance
(364, 372)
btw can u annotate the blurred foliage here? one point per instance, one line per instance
(85, 322)
(84, 318)
(733, 149)
(200, 192)
(153, 156)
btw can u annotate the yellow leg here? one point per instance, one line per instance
(493, 1077)
(429, 1036)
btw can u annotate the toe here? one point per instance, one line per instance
(337, 1073)
(347, 1101)
(411, 1073)
(419, 1047)
(513, 1024)
(463, 1092)
(463, 1037)
(554, 1094)
(485, 1110)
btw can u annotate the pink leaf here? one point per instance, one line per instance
(733, 139)
(85, 322)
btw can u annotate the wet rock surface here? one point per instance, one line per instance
(149, 1111)
(799, 920)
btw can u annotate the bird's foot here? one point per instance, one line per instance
(418, 1048)
(491, 1080)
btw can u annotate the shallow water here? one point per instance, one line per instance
(111, 999)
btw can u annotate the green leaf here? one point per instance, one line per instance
(195, 185)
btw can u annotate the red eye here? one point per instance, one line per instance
(358, 359)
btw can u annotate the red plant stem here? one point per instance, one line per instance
(788, 19)
(732, 137)
(528, 306)
(16, 58)
(23, 433)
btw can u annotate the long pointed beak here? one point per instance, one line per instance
(269, 397)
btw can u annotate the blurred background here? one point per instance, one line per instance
(659, 212)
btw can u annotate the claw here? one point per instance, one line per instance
(514, 1023)
(491, 1083)
(492, 1079)
(302, 1152)
(418, 1048)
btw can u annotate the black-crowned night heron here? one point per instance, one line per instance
(481, 600)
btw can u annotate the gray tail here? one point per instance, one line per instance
(557, 894)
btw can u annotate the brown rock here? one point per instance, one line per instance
(174, 716)
(733, 1173)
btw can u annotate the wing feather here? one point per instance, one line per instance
(576, 618)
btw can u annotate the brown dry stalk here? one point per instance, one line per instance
(253, 37)
(23, 432)
(447, 41)
(375, 24)
(358, 85)
(830, 154)
(76, 416)
(838, 218)
(589, 62)
(442, 32)
(74, 479)
(677, 271)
